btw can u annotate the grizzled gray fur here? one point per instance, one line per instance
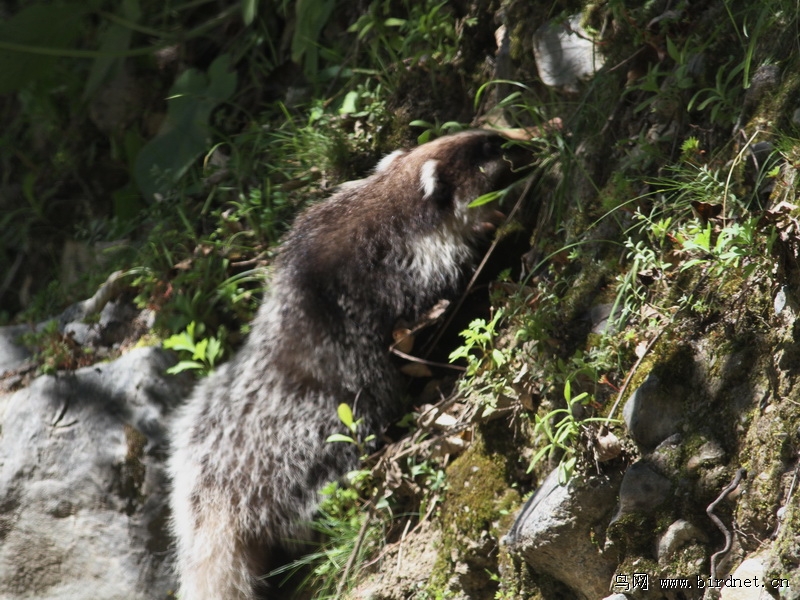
(249, 450)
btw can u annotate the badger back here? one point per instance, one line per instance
(391, 245)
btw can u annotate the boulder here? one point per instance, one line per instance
(82, 482)
(565, 53)
(654, 412)
(554, 531)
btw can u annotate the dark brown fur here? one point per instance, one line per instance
(249, 447)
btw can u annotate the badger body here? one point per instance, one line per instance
(248, 451)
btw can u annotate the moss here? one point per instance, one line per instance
(775, 109)
(787, 547)
(132, 470)
(475, 512)
(626, 533)
(584, 290)
(667, 360)
(763, 448)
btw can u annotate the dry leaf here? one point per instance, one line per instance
(403, 340)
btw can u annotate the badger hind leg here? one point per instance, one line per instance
(213, 561)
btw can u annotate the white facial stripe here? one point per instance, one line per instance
(428, 178)
(437, 257)
(387, 160)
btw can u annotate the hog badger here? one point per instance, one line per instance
(249, 451)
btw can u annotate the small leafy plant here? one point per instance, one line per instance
(562, 431)
(479, 344)
(204, 353)
(350, 533)
(346, 417)
(53, 350)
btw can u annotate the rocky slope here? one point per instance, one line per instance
(630, 424)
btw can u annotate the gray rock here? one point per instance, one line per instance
(667, 458)
(82, 485)
(553, 533)
(680, 533)
(642, 490)
(708, 455)
(653, 412)
(780, 300)
(747, 582)
(12, 354)
(565, 53)
(599, 315)
(83, 334)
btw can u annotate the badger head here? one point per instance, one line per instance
(392, 244)
(451, 172)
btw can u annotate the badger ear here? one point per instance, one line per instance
(387, 160)
(432, 185)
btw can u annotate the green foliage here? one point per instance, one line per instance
(311, 17)
(184, 135)
(351, 527)
(349, 538)
(562, 430)
(346, 417)
(204, 352)
(722, 100)
(247, 142)
(429, 31)
(435, 130)
(733, 245)
(670, 239)
(115, 39)
(32, 40)
(478, 346)
(54, 351)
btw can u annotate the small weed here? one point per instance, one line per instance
(487, 377)
(54, 351)
(663, 87)
(478, 346)
(435, 130)
(697, 219)
(345, 414)
(351, 527)
(562, 432)
(722, 99)
(429, 30)
(203, 353)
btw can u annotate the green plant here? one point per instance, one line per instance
(697, 222)
(434, 130)
(432, 481)
(350, 533)
(722, 98)
(646, 262)
(426, 30)
(185, 132)
(662, 86)
(204, 353)
(53, 350)
(478, 345)
(562, 430)
(345, 414)
(487, 376)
